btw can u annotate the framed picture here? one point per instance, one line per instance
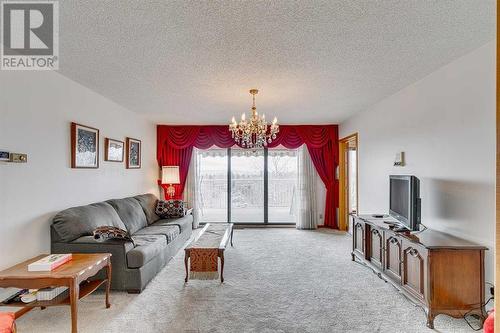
(133, 153)
(113, 150)
(84, 146)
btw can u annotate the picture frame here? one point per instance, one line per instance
(114, 150)
(84, 147)
(134, 150)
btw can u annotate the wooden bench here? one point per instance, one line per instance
(213, 238)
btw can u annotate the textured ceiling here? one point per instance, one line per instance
(193, 62)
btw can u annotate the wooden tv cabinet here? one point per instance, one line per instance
(442, 273)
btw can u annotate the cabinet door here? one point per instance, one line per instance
(376, 247)
(392, 265)
(414, 269)
(358, 237)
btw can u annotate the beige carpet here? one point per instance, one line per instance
(277, 280)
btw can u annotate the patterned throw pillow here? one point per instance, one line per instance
(170, 208)
(102, 234)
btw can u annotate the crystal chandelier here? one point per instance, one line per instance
(254, 133)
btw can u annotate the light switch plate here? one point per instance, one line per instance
(4, 156)
(18, 158)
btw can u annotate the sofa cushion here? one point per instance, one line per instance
(75, 222)
(147, 247)
(148, 204)
(130, 212)
(90, 240)
(102, 234)
(169, 231)
(167, 209)
(184, 223)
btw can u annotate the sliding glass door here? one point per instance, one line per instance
(212, 165)
(282, 185)
(249, 187)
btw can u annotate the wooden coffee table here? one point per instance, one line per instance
(74, 274)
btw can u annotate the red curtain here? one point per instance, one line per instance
(175, 146)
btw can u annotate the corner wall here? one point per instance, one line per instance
(36, 109)
(445, 124)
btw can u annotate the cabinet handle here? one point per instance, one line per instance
(413, 253)
(375, 232)
(393, 240)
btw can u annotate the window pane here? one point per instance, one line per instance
(247, 186)
(282, 173)
(213, 184)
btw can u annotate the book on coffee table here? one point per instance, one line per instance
(49, 263)
(47, 294)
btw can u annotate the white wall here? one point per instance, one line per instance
(36, 109)
(445, 123)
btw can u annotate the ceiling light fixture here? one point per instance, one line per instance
(254, 133)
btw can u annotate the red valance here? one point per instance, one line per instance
(175, 145)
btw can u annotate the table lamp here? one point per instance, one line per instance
(170, 176)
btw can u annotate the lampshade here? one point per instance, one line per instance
(170, 175)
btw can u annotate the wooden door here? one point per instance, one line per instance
(392, 264)
(414, 269)
(376, 243)
(358, 238)
(348, 179)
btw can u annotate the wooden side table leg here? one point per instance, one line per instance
(108, 284)
(74, 291)
(186, 259)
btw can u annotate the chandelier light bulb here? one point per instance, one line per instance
(233, 120)
(243, 116)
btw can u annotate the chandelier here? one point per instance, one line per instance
(254, 133)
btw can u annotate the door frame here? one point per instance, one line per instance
(344, 145)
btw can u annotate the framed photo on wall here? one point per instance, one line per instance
(113, 150)
(133, 153)
(84, 146)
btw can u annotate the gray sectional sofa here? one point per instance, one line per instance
(136, 263)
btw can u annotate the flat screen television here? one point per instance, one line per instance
(404, 198)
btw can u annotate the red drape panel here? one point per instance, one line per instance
(175, 146)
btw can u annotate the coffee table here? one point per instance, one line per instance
(74, 274)
(213, 236)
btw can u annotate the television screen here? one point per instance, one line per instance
(400, 193)
(404, 200)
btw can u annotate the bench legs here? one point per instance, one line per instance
(221, 255)
(186, 259)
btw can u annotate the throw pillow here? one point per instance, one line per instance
(170, 208)
(102, 234)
